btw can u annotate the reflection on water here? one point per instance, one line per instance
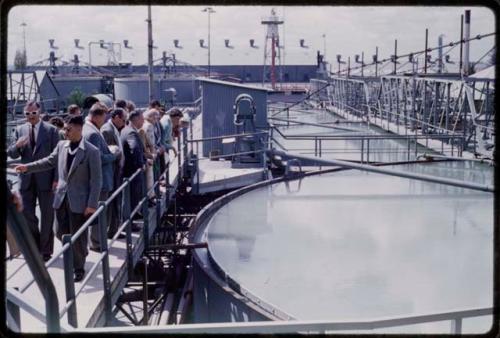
(358, 246)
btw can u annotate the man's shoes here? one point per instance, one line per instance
(136, 217)
(120, 236)
(79, 275)
(95, 248)
(46, 257)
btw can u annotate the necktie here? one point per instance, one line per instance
(32, 140)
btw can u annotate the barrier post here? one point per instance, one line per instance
(69, 282)
(145, 210)
(103, 243)
(128, 229)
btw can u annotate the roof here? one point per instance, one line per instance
(226, 83)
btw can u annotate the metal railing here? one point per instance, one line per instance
(453, 142)
(196, 142)
(306, 326)
(391, 172)
(429, 106)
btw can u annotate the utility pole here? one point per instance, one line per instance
(150, 53)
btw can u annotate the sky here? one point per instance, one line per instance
(347, 31)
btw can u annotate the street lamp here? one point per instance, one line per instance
(24, 42)
(209, 11)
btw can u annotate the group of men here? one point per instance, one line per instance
(71, 169)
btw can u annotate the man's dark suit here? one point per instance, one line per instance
(39, 185)
(133, 149)
(112, 137)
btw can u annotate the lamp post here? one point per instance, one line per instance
(324, 44)
(24, 43)
(209, 11)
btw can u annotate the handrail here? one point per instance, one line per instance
(315, 124)
(225, 136)
(294, 326)
(28, 247)
(70, 240)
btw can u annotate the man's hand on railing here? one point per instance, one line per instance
(22, 168)
(22, 141)
(54, 185)
(89, 211)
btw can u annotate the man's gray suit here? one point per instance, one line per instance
(91, 134)
(112, 137)
(133, 150)
(39, 185)
(77, 189)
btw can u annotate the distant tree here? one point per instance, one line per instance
(20, 60)
(76, 97)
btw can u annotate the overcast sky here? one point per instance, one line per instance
(348, 30)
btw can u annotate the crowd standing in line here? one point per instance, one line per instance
(70, 165)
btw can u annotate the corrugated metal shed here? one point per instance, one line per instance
(218, 98)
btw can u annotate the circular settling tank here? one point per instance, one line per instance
(358, 246)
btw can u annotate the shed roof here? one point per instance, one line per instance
(232, 84)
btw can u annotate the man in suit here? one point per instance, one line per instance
(91, 133)
(159, 139)
(133, 149)
(76, 197)
(111, 133)
(34, 140)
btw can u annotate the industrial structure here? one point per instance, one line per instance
(355, 189)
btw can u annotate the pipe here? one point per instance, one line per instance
(466, 46)
(461, 64)
(440, 53)
(433, 156)
(395, 55)
(378, 170)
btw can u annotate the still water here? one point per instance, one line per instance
(352, 245)
(388, 150)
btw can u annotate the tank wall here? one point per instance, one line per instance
(212, 304)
